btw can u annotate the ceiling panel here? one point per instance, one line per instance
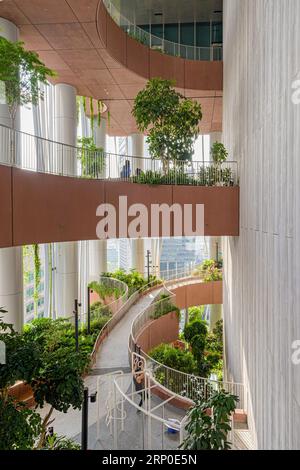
(10, 11)
(65, 36)
(33, 38)
(46, 11)
(91, 31)
(85, 10)
(79, 60)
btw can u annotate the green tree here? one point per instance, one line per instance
(92, 158)
(197, 327)
(22, 73)
(209, 422)
(170, 119)
(19, 426)
(218, 152)
(195, 313)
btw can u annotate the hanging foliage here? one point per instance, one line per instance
(99, 104)
(84, 103)
(92, 115)
(23, 74)
(37, 274)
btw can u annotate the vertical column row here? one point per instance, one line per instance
(11, 265)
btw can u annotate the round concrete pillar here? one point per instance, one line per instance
(66, 254)
(65, 126)
(137, 150)
(11, 265)
(98, 248)
(137, 245)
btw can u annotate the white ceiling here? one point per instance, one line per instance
(142, 11)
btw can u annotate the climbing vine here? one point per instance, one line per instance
(37, 275)
(93, 112)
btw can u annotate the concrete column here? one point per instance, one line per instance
(66, 278)
(215, 247)
(138, 255)
(137, 246)
(11, 265)
(215, 137)
(137, 150)
(98, 248)
(65, 127)
(66, 254)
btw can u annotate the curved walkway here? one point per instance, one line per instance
(113, 352)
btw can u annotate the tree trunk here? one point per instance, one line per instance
(45, 423)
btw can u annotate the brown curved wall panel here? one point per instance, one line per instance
(201, 293)
(116, 41)
(102, 22)
(221, 206)
(148, 63)
(54, 208)
(167, 67)
(202, 75)
(42, 208)
(137, 57)
(6, 206)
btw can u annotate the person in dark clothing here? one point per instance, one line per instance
(126, 171)
(139, 382)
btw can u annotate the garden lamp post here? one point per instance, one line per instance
(85, 416)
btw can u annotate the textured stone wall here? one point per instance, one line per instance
(262, 266)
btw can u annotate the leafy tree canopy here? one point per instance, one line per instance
(171, 120)
(22, 73)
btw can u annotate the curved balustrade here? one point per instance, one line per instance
(30, 152)
(185, 386)
(213, 53)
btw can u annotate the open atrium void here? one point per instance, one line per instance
(150, 227)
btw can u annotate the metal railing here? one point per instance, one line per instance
(186, 386)
(212, 53)
(33, 153)
(109, 309)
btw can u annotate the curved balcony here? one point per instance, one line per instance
(50, 191)
(162, 45)
(149, 56)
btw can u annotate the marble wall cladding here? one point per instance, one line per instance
(262, 267)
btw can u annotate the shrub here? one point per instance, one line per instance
(134, 280)
(196, 313)
(56, 442)
(164, 306)
(198, 327)
(20, 426)
(209, 270)
(106, 291)
(182, 361)
(218, 152)
(99, 310)
(205, 431)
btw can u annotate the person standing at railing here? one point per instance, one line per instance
(126, 170)
(139, 382)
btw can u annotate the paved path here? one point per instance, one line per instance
(113, 352)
